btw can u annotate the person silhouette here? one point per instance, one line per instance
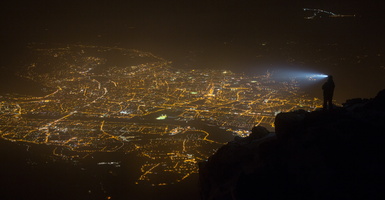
(328, 90)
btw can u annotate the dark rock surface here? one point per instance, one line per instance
(337, 154)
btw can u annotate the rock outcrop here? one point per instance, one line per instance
(337, 154)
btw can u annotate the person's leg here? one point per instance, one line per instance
(330, 103)
(325, 106)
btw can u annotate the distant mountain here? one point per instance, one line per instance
(316, 155)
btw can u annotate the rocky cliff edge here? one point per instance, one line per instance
(337, 154)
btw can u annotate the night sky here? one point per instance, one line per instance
(241, 35)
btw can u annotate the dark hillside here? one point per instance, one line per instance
(317, 155)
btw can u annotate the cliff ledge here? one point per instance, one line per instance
(318, 155)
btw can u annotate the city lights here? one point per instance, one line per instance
(150, 109)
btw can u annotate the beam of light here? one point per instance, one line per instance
(298, 75)
(316, 77)
(321, 75)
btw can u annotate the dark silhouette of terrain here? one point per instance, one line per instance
(337, 154)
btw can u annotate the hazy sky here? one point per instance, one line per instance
(234, 34)
(182, 21)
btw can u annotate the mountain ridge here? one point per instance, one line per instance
(314, 155)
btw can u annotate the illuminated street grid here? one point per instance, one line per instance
(105, 99)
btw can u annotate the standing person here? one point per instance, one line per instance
(328, 90)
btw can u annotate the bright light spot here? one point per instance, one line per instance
(162, 117)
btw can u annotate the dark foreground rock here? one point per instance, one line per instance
(318, 155)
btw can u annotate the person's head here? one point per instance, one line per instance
(330, 78)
